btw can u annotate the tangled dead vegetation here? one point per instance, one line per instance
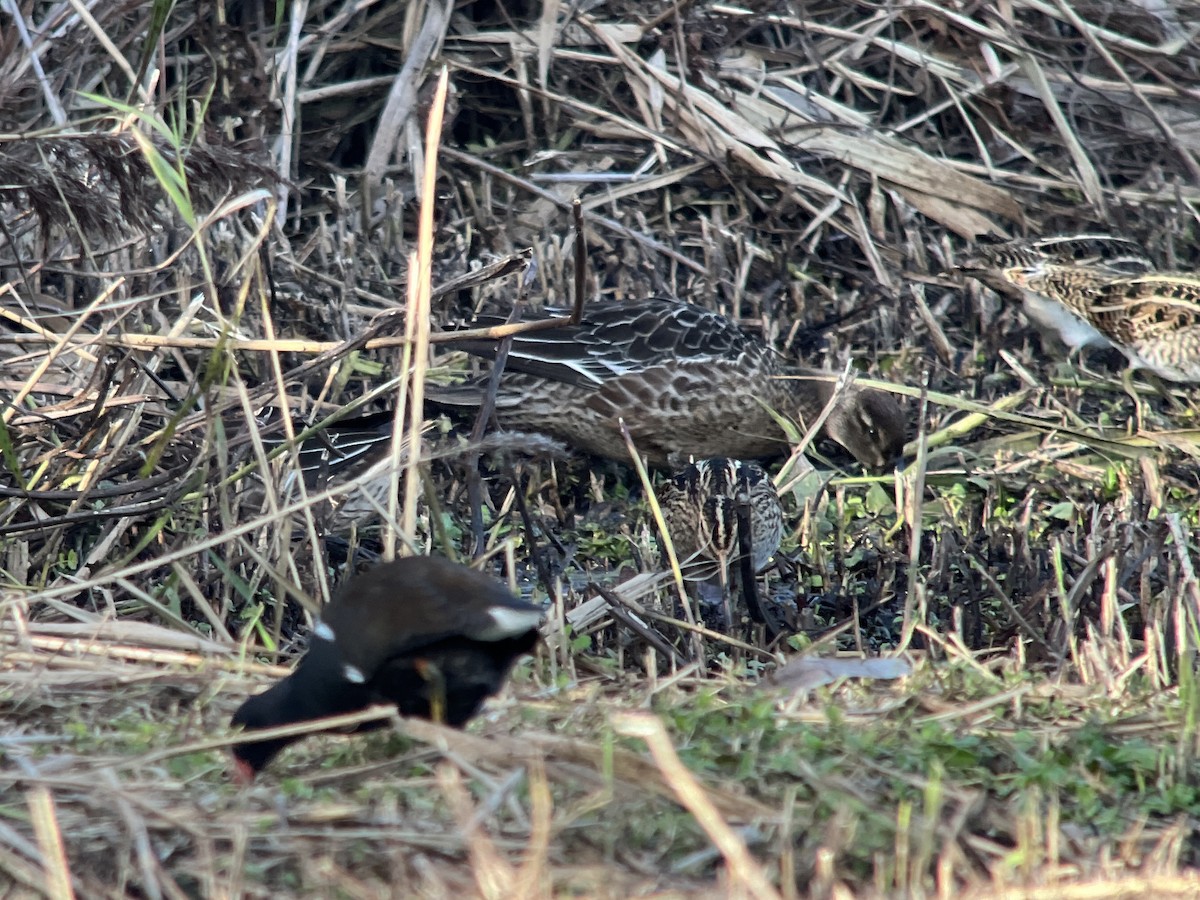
(214, 215)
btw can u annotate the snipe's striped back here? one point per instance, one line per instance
(992, 260)
(700, 507)
(1153, 318)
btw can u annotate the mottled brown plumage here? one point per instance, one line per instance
(352, 459)
(991, 254)
(352, 455)
(992, 261)
(1153, 318)
(699, 506)
(705, 506)
(686, 381)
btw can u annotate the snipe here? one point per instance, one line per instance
(1153, 318)
(706, 506)
(992, 261)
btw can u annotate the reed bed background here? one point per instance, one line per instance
(208, 208)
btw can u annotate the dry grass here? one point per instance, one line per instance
(169, 264)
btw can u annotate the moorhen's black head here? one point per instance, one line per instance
(430, 636)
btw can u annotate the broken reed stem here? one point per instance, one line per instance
(70, 651)
(492, 873)
(50, 842)
(743, 869)
(62, 343)
(132, 341)
(346, 722)
(420, 309)
(661, 524)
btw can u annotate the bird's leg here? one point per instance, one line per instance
(1079, 361)
(435, 689)
(1163, 391)
(746, 558)
(723, 578)
(1131, 392)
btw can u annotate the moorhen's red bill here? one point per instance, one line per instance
(431, 636)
